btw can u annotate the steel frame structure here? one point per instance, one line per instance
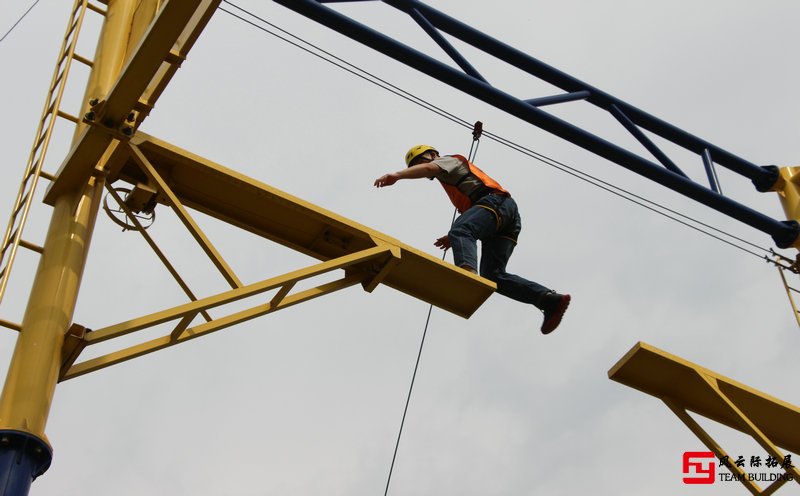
(142, 44)
(140, 47)
(662, 375)
(470, 81)
(684, 386)
(13, 239)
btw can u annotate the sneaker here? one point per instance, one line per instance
(553, 305)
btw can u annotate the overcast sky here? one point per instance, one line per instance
(308, 401)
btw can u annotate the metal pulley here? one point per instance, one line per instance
(125, 207)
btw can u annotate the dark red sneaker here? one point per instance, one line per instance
(553, 305)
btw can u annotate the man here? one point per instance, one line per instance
(489, 214)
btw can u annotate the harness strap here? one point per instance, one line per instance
(480, 191)
(497, 219)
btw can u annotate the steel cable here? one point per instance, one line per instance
(604, 185)
(19, 20)
(611, 188)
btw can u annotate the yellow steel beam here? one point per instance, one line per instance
(234, 198)
(151, 242)
(183, 324)
(109, 58)
(281, 294)
(176, 56)
(710, 443)
(186, 219)
(186, 313)
(164, 32)
(39, 352)
(208, 327)
(388, 266)
(748, 426)
(35, 365)
(233, 295)
(175, 29)
(685, 386)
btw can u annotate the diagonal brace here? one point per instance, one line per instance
(637, 133)
(237, 294)
(206, 328)
(749, 427)
(710, 443)
(184, 216)
(151, 242)
(746, 426)
(445, 45)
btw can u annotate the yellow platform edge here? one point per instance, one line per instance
(268, 212)
(692, 387)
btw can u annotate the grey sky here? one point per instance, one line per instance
(307, 401)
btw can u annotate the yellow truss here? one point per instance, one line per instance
(141, 46)
(367, 256)
(684, 386)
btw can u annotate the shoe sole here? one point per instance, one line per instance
(554, 320)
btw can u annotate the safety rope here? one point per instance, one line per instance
(19, 20)
(477, 130)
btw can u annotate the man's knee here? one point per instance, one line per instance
(460, 232)
(491, 273)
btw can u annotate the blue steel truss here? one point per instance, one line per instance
(469, 80)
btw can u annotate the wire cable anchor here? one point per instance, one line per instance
(120, 211)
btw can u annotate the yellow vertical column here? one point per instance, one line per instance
(33, 372)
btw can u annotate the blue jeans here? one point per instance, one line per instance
(495, 221)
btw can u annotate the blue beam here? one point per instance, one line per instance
(711, 173)
(784, 233)
(637, 133)
(445, 45)
(552, 100)
(568, 83)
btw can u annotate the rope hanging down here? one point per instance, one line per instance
(477, 130)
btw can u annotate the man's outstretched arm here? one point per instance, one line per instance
(419, 171)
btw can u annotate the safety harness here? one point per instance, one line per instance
(462, 198)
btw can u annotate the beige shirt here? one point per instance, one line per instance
(453, 170)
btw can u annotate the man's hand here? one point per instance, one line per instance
(386, 180)
(443, 243)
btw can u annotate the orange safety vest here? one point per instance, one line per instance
(460, 199)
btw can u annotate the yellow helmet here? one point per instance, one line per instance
(417, 151)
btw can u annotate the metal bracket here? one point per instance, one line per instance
(74, 343)
(122, 130)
